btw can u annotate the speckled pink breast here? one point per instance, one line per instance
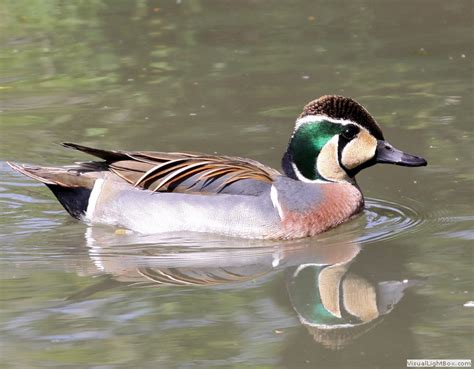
(340, 202)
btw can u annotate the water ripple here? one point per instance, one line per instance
(388, 220)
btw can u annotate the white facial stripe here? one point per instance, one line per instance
(320, 118)
(94, 196)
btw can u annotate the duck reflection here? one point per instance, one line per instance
(335, 304)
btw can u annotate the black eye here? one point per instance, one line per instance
(350, 131)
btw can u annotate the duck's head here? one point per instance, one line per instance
(334, 138)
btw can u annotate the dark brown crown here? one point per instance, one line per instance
(340, 107)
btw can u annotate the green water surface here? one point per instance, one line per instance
(231, 77)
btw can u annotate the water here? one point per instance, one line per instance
(230, 77)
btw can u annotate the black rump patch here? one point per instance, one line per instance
(74, 199)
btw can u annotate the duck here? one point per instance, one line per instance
(148, 192)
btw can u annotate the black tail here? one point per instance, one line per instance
(71, 186)
(107, 155)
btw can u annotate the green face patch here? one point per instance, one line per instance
(307, 143)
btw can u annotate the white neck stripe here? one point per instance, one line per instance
(302, 178)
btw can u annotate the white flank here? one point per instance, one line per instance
(275, 202)
(93, 198)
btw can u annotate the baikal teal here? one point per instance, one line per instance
(155, 192)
